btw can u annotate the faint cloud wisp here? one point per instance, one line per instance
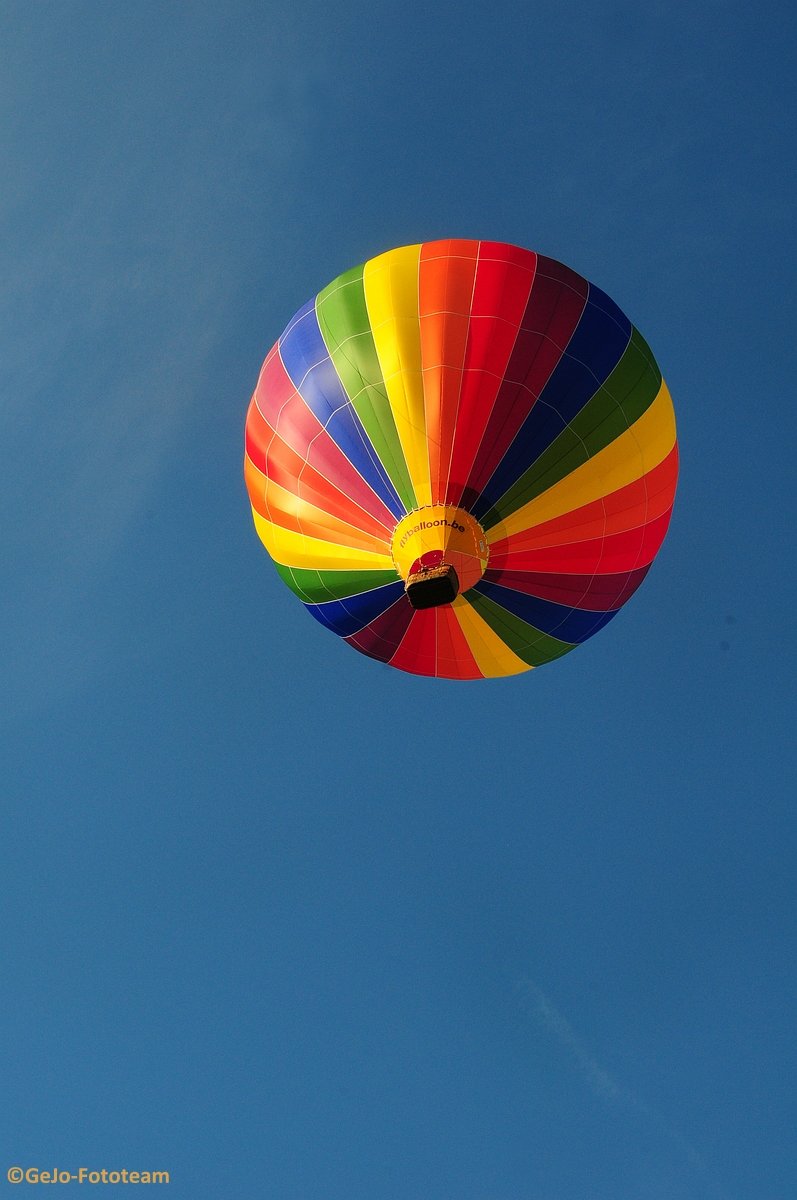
(601, 1083)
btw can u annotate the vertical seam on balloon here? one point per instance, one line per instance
(322, 428)
(486, 421)
(561, 545)
(426, 438)
(272, 353)
(659, 400)
(644, 478)
(618, 406)
(426, 374)
(377, 417)
(391, 434)
(335, 487)
(396, 377)
(403, 636)
(543, 633)
(457, 609)
(380, 618)
(478, 620)
(425, 430)
(342, 602)
(399, 376)
(401, 601)
(568, 425)
(366, 444)
(447, 477)
(562, 352)
(596, 570)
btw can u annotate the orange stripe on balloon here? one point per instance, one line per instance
(288, 469)
(290, 511)
(618, 552)
(629, 507)
(278, 407)
(445, 290)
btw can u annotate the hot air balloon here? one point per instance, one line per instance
(462, 458)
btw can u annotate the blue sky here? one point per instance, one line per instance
(277, 919)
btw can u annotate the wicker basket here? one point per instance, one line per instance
(432, 586)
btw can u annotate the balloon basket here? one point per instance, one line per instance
(432, 587)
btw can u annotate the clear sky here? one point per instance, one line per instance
(275, 918)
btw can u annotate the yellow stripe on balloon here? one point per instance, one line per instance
(296, 550)
(641, 448)
(493, 657)
(391, 297)
(287, 510)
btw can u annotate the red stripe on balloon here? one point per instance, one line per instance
(382, 638)
(454, 657)
(280, 463)
(283, 409)
(429, 642)
(618, 552)
(274, 387)
(554, 308)
(636, 504)
(501, 288)
(418, 646)
(596, 593)
(257, 437)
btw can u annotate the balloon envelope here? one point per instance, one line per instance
(462, 458)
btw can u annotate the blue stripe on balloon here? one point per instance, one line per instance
(600, 340)
(345, 617)
(312, 372)
(572, 625)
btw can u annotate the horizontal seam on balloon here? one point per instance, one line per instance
(542, 633)
(580, 541)
(551, 408)
(349, 403)
(604, 535)
(319, 472)
(595, 428)
(462, 369)
(544, 334)
(581, 440)
(350, 595)
(643, 477)
(333, 537)
(365, 391)
(346, 404)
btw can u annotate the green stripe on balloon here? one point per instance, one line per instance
(627, 393)
(346, 330)
(529, 644)
(315, 587)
